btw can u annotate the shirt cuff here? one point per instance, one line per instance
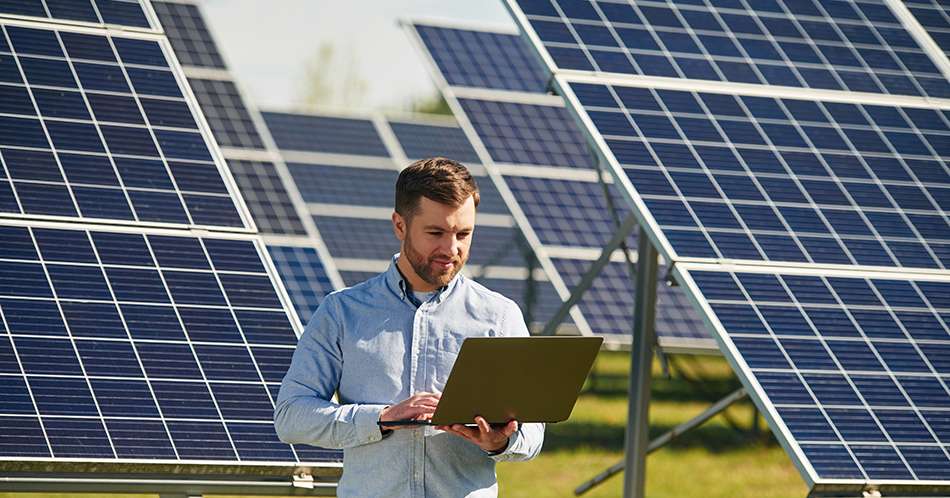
(512, 441)
(366, 421)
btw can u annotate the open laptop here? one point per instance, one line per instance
(528, 379)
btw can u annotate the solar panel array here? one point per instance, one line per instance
(853, 45)
(815, 196)
(543, 161)
(96, 127)
(159, 333)
(104, 13)
(934, 16)
(275, 204)
(345, 167)
(140, 345)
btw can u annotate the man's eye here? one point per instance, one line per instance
(464, 235)
(435, 233)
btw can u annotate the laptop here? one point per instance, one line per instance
(528, 379)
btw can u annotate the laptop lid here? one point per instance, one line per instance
(529, 379)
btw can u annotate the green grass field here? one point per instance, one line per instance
(713, 461)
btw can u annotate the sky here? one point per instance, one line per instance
(270, 44)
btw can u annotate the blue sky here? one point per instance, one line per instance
(269, 43)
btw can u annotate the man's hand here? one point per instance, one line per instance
(484, 436)
(420, 406)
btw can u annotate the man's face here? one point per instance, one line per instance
(436, 239)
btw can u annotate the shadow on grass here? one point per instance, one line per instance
(714, 438)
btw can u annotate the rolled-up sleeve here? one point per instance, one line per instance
(305, 412)
(526, 442)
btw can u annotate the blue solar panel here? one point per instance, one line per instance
(853, 369)
(934, 16)
(135, 154)
(187, 335)
(568, 212)
(309, 133)
(758, 178)
(344, 185)
(528, 134)
(189, 35)
(420, 141)
(304, 277)
(608, 304)
(483, 59)
(129, 13)
(853, 45)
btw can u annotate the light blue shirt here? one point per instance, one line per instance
(374, 347)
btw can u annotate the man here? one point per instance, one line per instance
(387, 346)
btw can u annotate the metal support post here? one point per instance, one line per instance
(665, 438)
(641, 361)
(531, 285)
(629, 223)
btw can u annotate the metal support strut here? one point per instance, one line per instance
(665, 438)
(629, 223)
(641, 362)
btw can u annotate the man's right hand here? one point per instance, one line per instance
(420, 406)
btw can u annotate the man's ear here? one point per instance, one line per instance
(399, 226)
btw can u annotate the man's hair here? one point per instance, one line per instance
(439, 179)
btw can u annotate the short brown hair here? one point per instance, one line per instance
(437, 178)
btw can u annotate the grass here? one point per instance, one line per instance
(712, 461)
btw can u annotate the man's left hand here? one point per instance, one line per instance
(487, 438)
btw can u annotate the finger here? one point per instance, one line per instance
(467, 432)
(483, 426)
(510, 429)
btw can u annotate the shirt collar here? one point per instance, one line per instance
(398, 284)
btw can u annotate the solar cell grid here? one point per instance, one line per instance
(344, 185)
(266, 197)
(934, 16)
(854, 367)
(842, 45)
(187, 32)
(608, 304)
(139, 345)
(782, 179)
(520, 133)
(300, 132)
(129, 13)
(97, 127)
(304, 277)
(566, 212)
(482, 59)
(420, 141)
(227, 115)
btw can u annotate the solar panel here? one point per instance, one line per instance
(125, 13)
(851, 370)
(525, 133)
(480, 59)
(258, 170)
(229, 119)
(420, 141)
(852, 45)
(327, 134)
(186, 29)
(821, 215)
(543, 161)
(934, 16)
(98, 127)
(124, 344)
(304, 277)
(781, 179)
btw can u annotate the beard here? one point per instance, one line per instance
(423, 266)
